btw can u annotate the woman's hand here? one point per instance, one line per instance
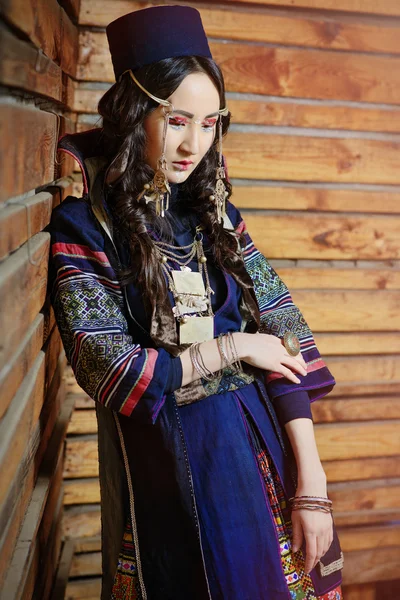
(267, 352)
(316, 527)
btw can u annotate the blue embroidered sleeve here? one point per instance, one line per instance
(279, 314)
(89, 309)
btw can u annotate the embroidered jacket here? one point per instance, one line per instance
(167, 465)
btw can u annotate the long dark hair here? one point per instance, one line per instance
(124, 108)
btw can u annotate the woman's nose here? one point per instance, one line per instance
(191, 142)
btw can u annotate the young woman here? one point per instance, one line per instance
(189, 342)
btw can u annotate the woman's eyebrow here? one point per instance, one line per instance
(190, 115)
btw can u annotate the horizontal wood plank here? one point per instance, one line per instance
(24, 568)
(23, 288)
(81, 458)
(355, 409)
(329, 278)
(337, 310)
(19, 422)
(367, 517)
(313, 199)
(371, 565)
(356, 469)
(323, 236)
(15, 370)
(365, 591)
(86, 564)
(89, 589)
(48, 26)
(311, 158)
(18, 62)
(88, 544)
(277, 71)
(358, 343)
(82, 491)
(360, 371)
(32, 469)
(358, 440)
(384, 7)
(83, 421)
(284, 114)
(317, 30)
(82, 521)
(28, 139)
(364, 538)
(304, 114)
(378, 494)
(14, 220)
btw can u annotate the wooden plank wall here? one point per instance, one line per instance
(38, 56)
(313, 155)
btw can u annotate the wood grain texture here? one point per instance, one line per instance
(357, 440)
(331, 278)
(337, 310)
(370, 517)
(371, 565)
(40, 444)
(21, 67)
(276, 71)
(89, 589)
(308, 158)
(83, 421)
(356, 409)
(359, 371)
(275, 197)
(86, 564)
(48, 27)
(278, 113)
(27, 143)
(82, 521)
(28, 216)
(35, 536)
(356, 469)
(13, 373)
(384, 7)
(308, 114)
(358, 343)
(287, 28)
(323, 236)
(23, 287)
(82, 491)
(81, 458)
(32, 469)
(363, 538)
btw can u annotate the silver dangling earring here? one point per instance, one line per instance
(158, 190)
(220, 193)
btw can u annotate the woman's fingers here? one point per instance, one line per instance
(293, 364)
(297, 538)
(311, 551)
(287, 373)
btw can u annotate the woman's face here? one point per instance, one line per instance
(191, 128)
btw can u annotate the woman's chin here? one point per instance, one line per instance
(178, 176)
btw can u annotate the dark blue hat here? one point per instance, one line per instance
(146, 36)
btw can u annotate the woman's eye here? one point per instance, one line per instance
(176, 124)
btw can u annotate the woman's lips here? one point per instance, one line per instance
(182, 166)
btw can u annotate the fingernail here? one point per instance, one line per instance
(295, 548)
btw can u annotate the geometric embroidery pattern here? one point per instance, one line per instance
(277, 310)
